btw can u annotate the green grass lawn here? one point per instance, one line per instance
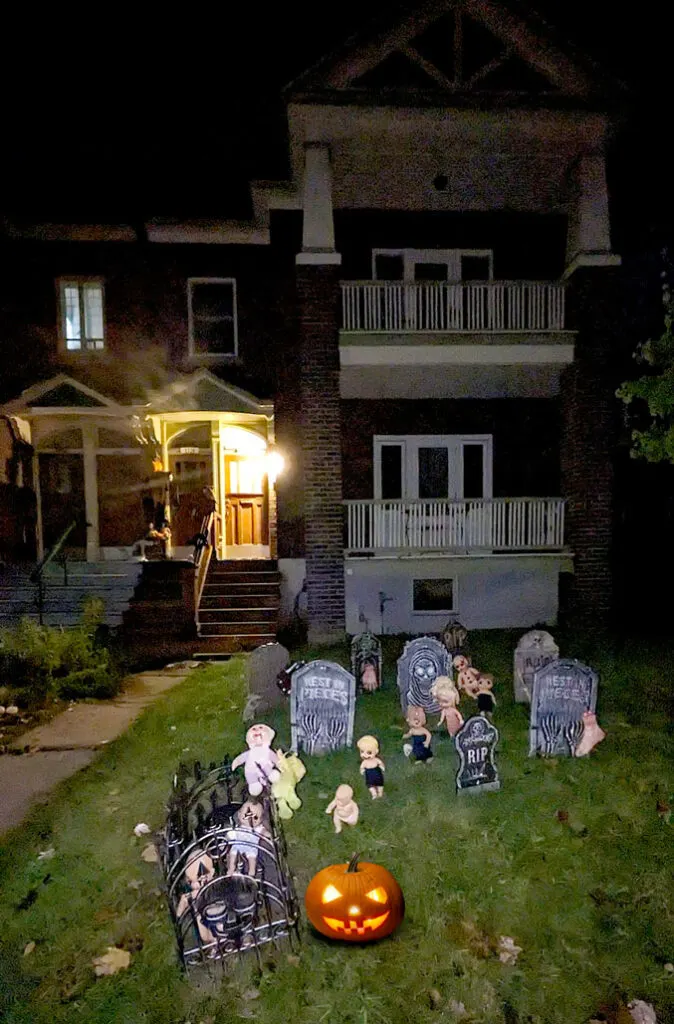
(590, 900)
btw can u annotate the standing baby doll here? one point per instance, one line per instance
(343, 808)
(467, 677)
(420, 747)
(447, 696)
(371, 766)
(259, 760)
(486, 701)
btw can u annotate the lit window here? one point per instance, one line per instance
(82, 315)
(433, 595)
(212, 316)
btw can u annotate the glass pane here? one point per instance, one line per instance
(430, 271)
(388, 268)
(212, 301)
(433, 473)
(433, 596)
(473, 475)
(93, 312)
(474, 268)
(71, 302)
(214, 336)
(392, 471)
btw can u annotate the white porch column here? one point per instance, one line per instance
(221, 492)
(589, 234)
(318, 229)
(218, 480)
(90, 446)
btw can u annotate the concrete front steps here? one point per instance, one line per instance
(112, 582)
(239, 605)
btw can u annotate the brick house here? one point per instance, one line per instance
(419, 320)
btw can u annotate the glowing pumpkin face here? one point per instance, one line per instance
(356, 902)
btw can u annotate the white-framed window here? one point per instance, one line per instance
(81, 314)
(452, 265)
(434, 595)
(432, 466)
(212, 319)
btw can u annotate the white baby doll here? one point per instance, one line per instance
(446, 694)
(245, 839)
(343, 808)
(259, 760)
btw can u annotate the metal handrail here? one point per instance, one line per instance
(37, 575)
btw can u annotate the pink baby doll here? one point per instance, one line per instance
(259, 760)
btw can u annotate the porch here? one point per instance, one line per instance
(484, 525)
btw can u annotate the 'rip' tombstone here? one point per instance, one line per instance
(563, 690)
(420, 664)
(535, 649)
(475, 743)
(322, 707)
(366, 661)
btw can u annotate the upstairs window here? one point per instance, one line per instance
(82, 320)
(212, 317)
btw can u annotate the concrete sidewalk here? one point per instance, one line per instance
(69, 742)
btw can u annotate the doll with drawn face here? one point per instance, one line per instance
(244, 839)
(466, 676)
(420, 747)
(371, 765)
(259, 761)
(447, 696)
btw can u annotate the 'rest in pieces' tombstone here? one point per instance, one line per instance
(366, 661)
(262, 668)
(475, 743)
(420, 664)
(563, 690)
(322, 706)
(535, 649)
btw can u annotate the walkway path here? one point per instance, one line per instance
(70, 741)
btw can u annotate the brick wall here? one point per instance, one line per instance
(318, 294)
(589, 421)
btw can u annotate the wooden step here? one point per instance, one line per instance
(244, 565)
(228, 579)
(253, 628)
(238, 614)
(239, 600)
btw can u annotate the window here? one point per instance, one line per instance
(451, 265)
(82, 323)
(212, 316)
(432, 467)
(433, 595)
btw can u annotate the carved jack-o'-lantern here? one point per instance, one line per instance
(356, 902)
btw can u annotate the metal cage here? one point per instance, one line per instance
(224, 859)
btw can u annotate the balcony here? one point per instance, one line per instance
(480, 526)
(469, 307)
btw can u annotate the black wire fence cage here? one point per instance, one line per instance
(224, 860)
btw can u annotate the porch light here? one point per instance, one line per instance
(275, 464)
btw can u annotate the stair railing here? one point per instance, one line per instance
(37, 575)
(203, 549)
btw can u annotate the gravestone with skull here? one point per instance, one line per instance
(420, 664)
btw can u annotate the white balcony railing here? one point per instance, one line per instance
(495, 524)
(435, 306)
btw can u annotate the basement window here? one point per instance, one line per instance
(433, 595)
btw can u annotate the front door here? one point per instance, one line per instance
(246, 489)
(433, 467)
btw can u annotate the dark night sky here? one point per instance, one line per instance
(132, 116)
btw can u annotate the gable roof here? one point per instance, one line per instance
(60, 392)
(202, 391)
(399, 39)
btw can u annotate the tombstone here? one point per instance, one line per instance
(475, 743)
(322, 706)
(421, 662)
(535, 649)
(454, 637)
(563, 690)
(262, 668)
(366, 662)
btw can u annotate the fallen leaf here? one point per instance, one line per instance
(135, 883)
(141, 829)
(641, 1012)
(457, 1008)
(293, 959)
(113, 792)
(46, 854)
(173, 728)
(434, 998)
(28, 948)
(250, 993)
(562, 816)
(507, 951)
(149, 854)
(669, 968)
(664, 811)
(114, 960)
